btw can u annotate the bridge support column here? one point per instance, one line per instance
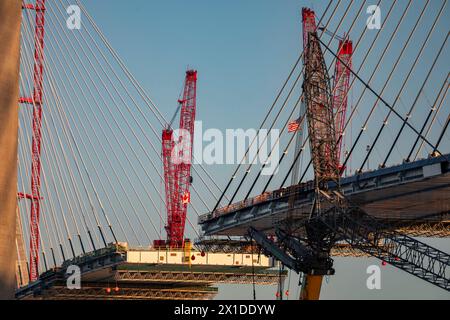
(10, 18)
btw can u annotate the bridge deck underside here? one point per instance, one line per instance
(419, 208)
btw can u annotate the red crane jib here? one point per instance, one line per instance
(177, 176)
(340, 91)
(309, 24)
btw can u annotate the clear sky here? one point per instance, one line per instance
(243, 51)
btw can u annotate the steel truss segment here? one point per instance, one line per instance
(320, 114)
(177, 172)
(365, 233)
(134, 293)
(169, 176)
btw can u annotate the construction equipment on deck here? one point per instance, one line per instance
(333, 218)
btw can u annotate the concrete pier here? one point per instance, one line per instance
(10, 19)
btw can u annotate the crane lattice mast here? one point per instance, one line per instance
(322, 139)
(36, 101)
(177, 158)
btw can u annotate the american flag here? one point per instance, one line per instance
(294, 126)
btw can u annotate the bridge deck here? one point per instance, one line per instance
(411, 194)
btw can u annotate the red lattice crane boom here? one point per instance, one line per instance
(322, 139)
(177, 159)
(36, 100)
(340, 91)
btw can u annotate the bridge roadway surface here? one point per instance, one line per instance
(414, 197)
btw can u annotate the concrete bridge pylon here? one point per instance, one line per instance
(10, 20)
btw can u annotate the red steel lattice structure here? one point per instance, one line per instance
(322, 139)
(177, 164)
(36, 102)
(319, 107)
